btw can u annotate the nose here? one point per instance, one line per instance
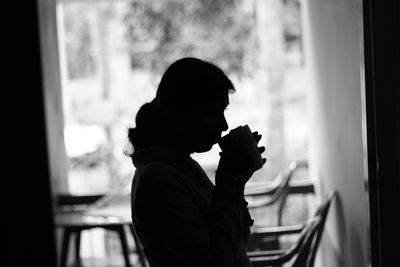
(224, 123)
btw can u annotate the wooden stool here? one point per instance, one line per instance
(73, 223)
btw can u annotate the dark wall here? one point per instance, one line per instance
(382, 65)
(27, 237)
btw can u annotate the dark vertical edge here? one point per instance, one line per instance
(371, 137)
(27, 228)
(382, 74)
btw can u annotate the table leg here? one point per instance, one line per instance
(78, 248)
(65, 247)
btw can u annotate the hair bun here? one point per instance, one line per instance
(147, 121)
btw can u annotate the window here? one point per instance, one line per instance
(113, 54)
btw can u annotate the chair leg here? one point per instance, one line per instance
(78, 248)
(65, 247)
(124, 245)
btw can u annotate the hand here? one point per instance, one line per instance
(240, 158)
(245, 177)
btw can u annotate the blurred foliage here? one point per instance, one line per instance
(161, 31)
(221, 31)
(292, 24)
(79, 42)
(90, 160)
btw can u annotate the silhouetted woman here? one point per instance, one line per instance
(180, 217)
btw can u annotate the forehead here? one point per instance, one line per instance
(218, 101)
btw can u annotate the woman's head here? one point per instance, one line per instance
(188, 111)
(189, 83)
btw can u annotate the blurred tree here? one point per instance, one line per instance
(159, 32)
(220, 31)
(292, 23)
(292, 30)
(79, 42)
(244, 37)
(270, 77)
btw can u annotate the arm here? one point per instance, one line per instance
(170, 213)
(240, 158)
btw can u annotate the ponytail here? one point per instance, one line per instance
(147, 126)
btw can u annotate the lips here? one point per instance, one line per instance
(218, 138)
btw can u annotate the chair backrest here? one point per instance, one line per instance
(309, 245)
(281, 189)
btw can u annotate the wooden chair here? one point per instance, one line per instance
(303, 252)
(89, 212)
(277, 191)
(274, 194)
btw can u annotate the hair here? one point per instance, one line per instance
(187, 84)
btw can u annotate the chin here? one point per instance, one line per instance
(204, 148)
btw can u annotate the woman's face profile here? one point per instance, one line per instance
(207, 123)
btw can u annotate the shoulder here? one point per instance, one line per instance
(156, 173)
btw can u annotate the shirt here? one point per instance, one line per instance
(181, 218)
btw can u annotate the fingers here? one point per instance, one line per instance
(262, 150)
(257, 136)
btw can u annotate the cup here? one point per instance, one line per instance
(227, 141)
(243, 139)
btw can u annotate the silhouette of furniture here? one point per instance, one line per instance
(275, 194)
(303, 252)
(89, 212)
(277, 191)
